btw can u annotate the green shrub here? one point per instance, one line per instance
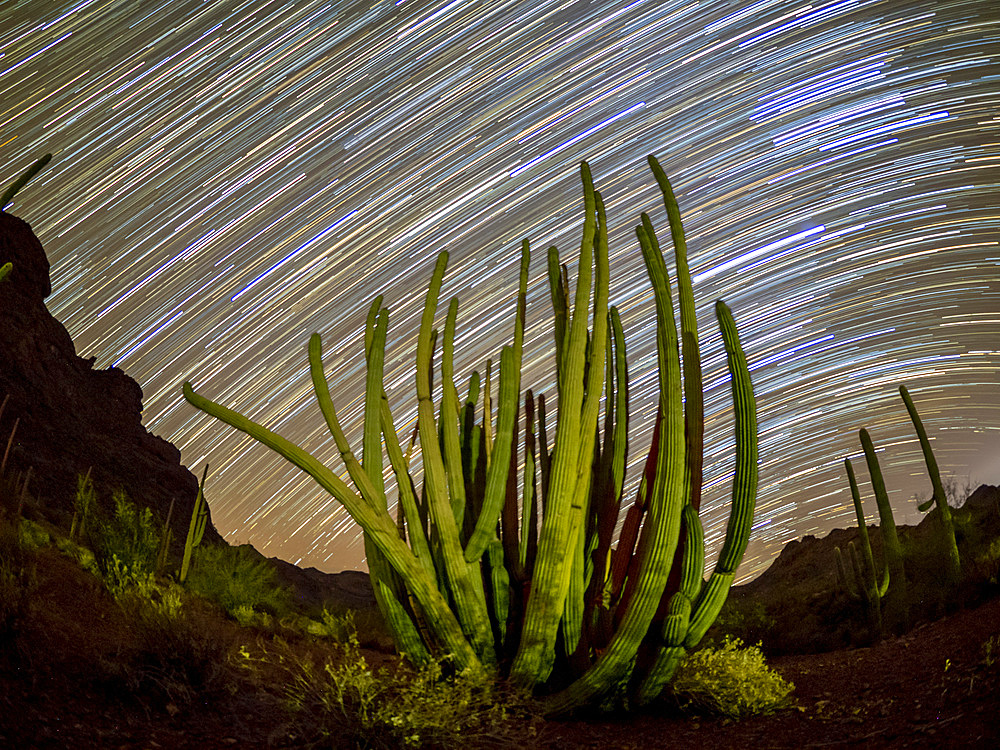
(350, 702)
(125, 542)
(239, 581)
(732, 680)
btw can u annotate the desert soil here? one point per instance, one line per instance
(935, 687)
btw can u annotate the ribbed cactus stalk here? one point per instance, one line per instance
(196, 529)
(868, 585)
(524, 579)
(23, 180)
(939, 496)
(897, 600)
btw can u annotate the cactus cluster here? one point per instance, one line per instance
(861, 579)
(525, 581)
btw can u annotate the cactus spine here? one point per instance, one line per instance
(939, 497)
(496, 580)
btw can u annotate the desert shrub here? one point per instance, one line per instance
(239, 581)
(355, 705)
(17, 577)
(732, 680)
(341, 628)
(125, 542)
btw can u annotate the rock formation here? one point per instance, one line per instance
(71, 417)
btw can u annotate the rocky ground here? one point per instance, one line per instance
(74, 675)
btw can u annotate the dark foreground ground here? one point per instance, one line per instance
(938, 686)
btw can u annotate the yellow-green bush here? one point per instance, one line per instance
(732, 680)
(239, 581)
(360, 706)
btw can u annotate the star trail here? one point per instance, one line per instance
(230, 176)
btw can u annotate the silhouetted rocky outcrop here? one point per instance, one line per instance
(72, 417)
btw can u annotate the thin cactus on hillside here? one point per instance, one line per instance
(526, 581)
(939, 497)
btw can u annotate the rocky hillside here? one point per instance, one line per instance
(798, 606)
(71, 418)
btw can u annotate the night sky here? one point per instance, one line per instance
(229, 177)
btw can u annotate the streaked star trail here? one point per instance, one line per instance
(231, 176)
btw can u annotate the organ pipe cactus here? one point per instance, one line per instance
(524, 580)
(867, 585)
(939, 497)
(196, 529)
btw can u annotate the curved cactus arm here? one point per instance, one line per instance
(379, 570)
(533, 661)
(694, 408)
(450, 438)
(23, 180)
(847, 580)
(713, 594)
(369, 492)
(595, 372)
(939, 497)
(510, 396)
(464, 579)
(488, 412)
(528, 538)
(404, 483)
(869, 582)
(371, 447)
(658, 538)
(559, 293)
(373, 521)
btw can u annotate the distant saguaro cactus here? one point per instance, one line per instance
(867, 584)
(530, 587)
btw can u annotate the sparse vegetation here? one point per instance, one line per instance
(239, 581)
(17, 577)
